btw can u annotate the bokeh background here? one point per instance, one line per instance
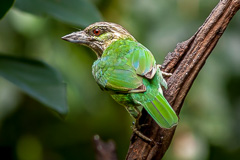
(209, 122)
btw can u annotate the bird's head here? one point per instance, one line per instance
(99, 36)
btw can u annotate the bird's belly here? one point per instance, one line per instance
(127, 101)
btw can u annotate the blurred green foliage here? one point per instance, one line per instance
(36, 79)
(77, 12)
(5, 5)
(208, 127)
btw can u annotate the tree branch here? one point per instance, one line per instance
(185, 62)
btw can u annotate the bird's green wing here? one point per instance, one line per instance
(118, 72)
(129, 63)
(143, 62)
(121, 79)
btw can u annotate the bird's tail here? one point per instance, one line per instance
(161, 112)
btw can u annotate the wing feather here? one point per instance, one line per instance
(143, 61)
(125, 66)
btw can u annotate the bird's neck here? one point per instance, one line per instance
(101, 48)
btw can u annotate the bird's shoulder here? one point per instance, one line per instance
(122, 47)
(130, 55)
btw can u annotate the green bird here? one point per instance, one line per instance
(127, 70)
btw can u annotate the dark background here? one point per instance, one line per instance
(209, 122)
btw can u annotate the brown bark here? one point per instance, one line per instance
(185, 62)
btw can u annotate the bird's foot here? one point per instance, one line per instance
(164, 73)
(136, 127)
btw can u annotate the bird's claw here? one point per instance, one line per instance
(136, 127)
(164, 73)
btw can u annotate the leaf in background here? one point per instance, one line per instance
(37, 79)
(76, 12)
(5, 5)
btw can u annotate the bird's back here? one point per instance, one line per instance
(128, 56)
(120, 56)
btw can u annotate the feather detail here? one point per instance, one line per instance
(161, 112)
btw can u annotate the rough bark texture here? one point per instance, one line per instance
(184, 63)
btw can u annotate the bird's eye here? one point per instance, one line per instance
(97, 32)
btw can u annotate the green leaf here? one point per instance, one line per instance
(37, 79)
(5, 5)
(76, 12)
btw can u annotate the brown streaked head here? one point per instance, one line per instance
(99, 36)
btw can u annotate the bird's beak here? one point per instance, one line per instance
(77, 37)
